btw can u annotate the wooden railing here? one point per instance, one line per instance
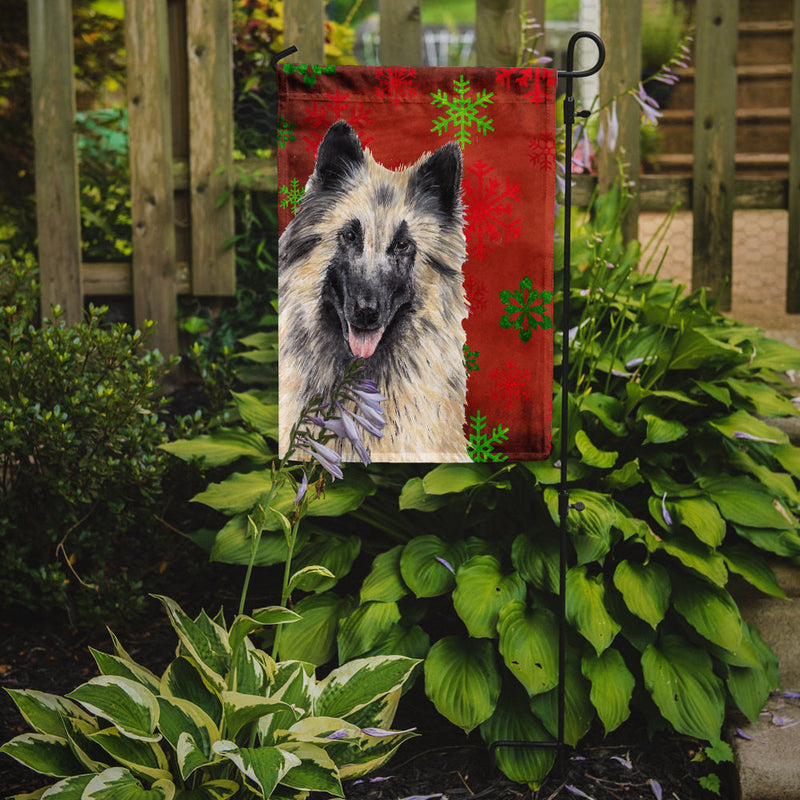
(181, 134)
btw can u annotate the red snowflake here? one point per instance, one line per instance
(320, 116)
(511, 385)
(476, 293)
(489, 210)
(395, 83)
(542, 151)
(542, 79)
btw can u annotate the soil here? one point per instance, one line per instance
(45, 654)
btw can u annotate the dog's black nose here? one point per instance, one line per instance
(365, 313)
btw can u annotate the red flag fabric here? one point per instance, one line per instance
(416, 210)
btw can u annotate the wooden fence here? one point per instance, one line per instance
(181, 134)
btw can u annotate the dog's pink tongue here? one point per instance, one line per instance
(363, 344)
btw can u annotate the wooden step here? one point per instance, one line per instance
(767, 165)
(765, 42)
(754, 10)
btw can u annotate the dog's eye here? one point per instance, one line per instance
(402, 245)
(349, 235)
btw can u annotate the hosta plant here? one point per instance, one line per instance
(224, 720)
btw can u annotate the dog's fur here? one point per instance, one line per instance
(371, 268)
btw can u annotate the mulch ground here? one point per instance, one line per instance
(44, 654)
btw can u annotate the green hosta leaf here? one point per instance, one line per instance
(586, 608)
(313, 638)
(608, 410)
(740, 422)
(548, 474)
(385, 582)
(264, 766)
(234, 544)
(44, 753)
(179, 717)
(612, 687)
(625, 477)
(701, 517)
(399, 640)
(462, 680)
(745, 502)
(242, 709)
(355, 685)
(696, 349)
(716, 391)
(749, 687)
(590, 455)
(223, 446)
(645, 588)
(145, 759)
(212, 790)
(481, 591)
(44, 712)
(767, 402)
(578, 710)
(183, 680)
(590, 528)
(125, 668)
(537, 561)
(782, 543)
(316, 772)
(117, 783)
(414, 497)
(126, 704)
(693, 554)
(449, 478)
(788, 456)
(529, 645)
(683, 685)
(243, 625)
(663, 431)
(774, 355)
(709, 610)
(261, 416)
(335, 553)
(365, 627)
(753, 567)
(512, 721)
(424, 565)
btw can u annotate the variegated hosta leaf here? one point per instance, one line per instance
(294, 683)
(242, 709)
(252, 670)
(183, 679)
(646, 589)
(462, 680)
(44, 753)
(316, 771)
(513, 721)
(125, 668)
(126, 704)
(204, 641)
(117, 783)
(45, 712)
(78, 733)
(146, 759)
(179, 718)
(68, 789)
(481, 591)
(683, 685)
(358, 683)
(373, 753)
(244, 625)
(262, 766)
(212, 790)
(612, 687)
(529, 645)
(586, 608)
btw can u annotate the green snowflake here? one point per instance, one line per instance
(524, 313)
(471, 359)
(481, 446)
(462, 111)
(284, 131)
(292, 195)
(309, 72)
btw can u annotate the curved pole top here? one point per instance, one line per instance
(570, 72)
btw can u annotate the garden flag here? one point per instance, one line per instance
(416, 214)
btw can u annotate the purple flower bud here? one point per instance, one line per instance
(445, 563)
(328, 459)
(301, 489)
(655, 786)
(664, 512)
(342, 733)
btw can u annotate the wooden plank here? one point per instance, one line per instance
(152, 202)
(210, 53)
(793, 266)
(114, 279)
(714, 147)
(621, 29)
(257, 174)
(497, 32)
(401, 33)
(304, 27)
(56, 161)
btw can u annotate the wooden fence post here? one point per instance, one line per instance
(401, 33)
(793, 267)
(152, 201)
(56, 162)
(714, 189)
(621, 28)
(498, 30)
(210, 54)
(304, 27)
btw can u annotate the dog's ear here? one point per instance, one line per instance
(339, 155)
(438, 177)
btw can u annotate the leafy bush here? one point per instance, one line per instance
(79, 430)
(683, 483)
(222, 717)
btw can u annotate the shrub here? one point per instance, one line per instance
(79, 429)
(222, 717)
